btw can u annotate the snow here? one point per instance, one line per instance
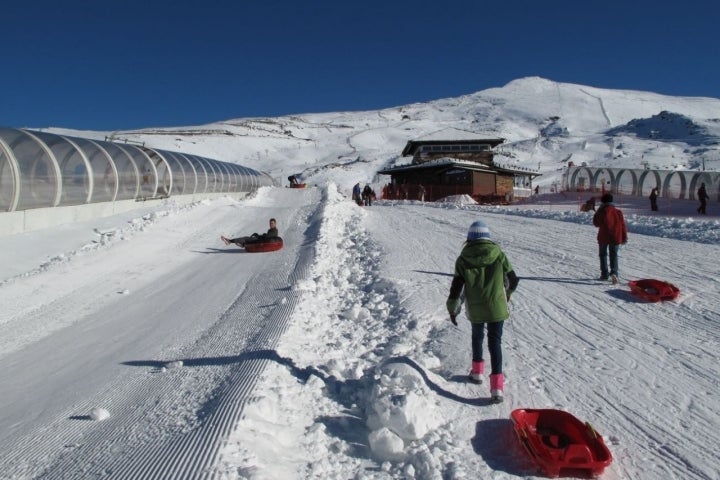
(366, 379)
(139, 346)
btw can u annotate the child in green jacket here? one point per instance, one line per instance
(488, 279)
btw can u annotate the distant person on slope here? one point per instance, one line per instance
(653, 199)
(356, 194)
(367, 195)
(484, 273)
(241, 241)
(294, 179)
(612, 232)
(703, 197)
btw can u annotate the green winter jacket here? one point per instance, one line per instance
(482, 269)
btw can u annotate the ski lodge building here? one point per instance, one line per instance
(456, 162)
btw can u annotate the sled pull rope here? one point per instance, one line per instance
(517, 349)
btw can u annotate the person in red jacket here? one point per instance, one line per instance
(612, 232)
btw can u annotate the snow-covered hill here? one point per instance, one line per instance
(545, 124)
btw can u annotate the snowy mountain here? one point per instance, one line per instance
(139, 346)
(545, 124)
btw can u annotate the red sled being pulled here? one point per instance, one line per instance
(558, 441)
(653, 290)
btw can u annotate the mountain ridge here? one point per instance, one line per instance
(545, 125)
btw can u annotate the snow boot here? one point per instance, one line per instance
(476, 372)
(496, 388)
(614, 279)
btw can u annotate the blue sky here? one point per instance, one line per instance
(97, 65)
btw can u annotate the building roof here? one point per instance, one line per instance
(455, 163)
(450, 136)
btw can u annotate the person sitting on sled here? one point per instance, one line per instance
(589, 205)
(241, 241)
(487, 277)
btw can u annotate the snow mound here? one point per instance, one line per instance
(99, 414)
(402, 403)
(386, 445)
(458, 200)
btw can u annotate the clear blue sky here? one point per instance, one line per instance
(130, 64)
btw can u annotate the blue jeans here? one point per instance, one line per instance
(494, 332)
(613, 249)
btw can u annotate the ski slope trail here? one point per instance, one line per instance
(173, 377)
(568, 329)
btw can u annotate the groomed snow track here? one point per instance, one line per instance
(208, 390)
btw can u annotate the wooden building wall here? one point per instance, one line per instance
(483, 183)
(504, 185)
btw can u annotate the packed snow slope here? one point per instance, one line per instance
(142, 347)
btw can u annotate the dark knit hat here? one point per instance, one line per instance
(607, 198)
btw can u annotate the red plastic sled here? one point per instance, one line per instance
(298, 185)
(556, 440)
(264, 245)
(654, 290)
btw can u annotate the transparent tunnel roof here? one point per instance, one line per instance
(40, 169)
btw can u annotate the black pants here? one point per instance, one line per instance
(494, 334)
(703, 205)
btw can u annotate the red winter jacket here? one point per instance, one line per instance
(611, 225)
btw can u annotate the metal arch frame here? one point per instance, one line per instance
(152, 167)
(600, 171)
(683, 183)
(572, 180)
(58, 177)
(217, 174)
(243, 179)
(201, 178)
(628, 171)
(113, 166)
(209, 172)
(237, 171)
(643, 176)
(88, 168)
(135, 167)
(194, 172)
(15, 171)
(159, 154)
(225, 175)
(172, 160)
(696, 179)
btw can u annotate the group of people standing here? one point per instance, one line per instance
(702, 196)
(363, 196)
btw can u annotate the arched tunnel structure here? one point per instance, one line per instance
(678, 184)
(41, 170)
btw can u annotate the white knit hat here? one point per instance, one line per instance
(478, 230)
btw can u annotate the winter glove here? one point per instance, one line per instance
(453, 307)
